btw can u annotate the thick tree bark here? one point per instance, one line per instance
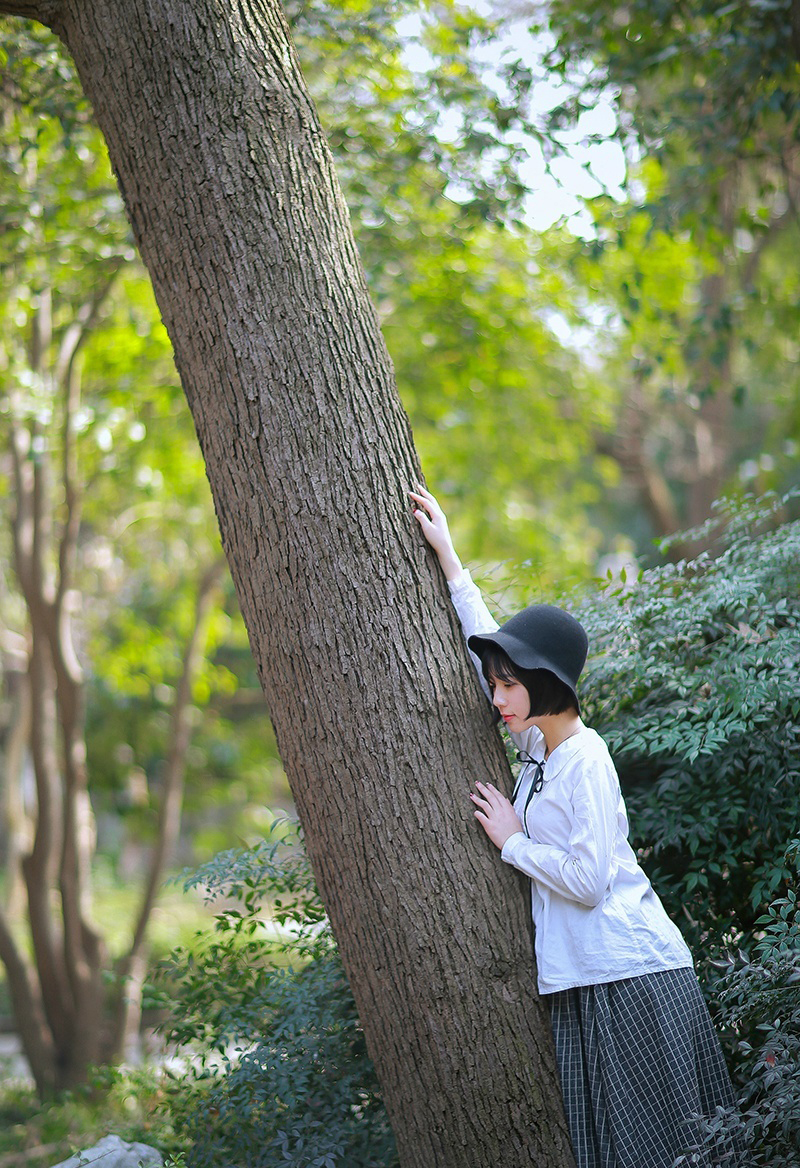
(229, 185)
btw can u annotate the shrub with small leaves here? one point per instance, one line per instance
(693, 683)
(276, 1068)
(758, 1001)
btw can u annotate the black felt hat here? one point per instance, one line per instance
(541, 637)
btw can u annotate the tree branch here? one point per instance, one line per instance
(65, 376)
(22, 520)
(775, 226)
(83, 323)
(627, 447)
(19, 828)
(45, 11)
(794, 17)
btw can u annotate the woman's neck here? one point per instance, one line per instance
(557, 728)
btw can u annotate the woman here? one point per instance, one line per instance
(635, 1046)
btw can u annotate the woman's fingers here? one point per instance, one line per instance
(489, 800)
(495, 813)
(431, 519)
(424, 506)
(433, 524)
(492, 801)
(426, 500)
(490, 792)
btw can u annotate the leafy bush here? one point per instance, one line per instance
(276, 1069)
(693, 683)
(759, 1002)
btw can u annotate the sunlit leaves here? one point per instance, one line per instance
(408, 107)
(502, 410)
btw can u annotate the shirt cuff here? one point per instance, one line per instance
(461, 583)
(509, 846)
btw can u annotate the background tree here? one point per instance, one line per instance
(68, 1018)
(705, 104)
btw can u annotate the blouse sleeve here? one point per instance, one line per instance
(473, 614)
(582, 869)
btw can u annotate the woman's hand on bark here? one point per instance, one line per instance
(495, 813)
(431, 518)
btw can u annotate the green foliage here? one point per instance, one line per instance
(708, 82)
(428, 155)
(387, 76)
(704, 101)
(277, 1070)
(128, 1102)
(468, 321)
(693, 683)
(758, 1006)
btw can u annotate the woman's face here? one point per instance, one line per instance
(512, 701)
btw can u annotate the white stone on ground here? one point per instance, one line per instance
(112, 1152)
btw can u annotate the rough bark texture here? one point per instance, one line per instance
(229, 185)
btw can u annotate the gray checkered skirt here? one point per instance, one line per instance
(638, 1059)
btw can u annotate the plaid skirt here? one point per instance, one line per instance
(638, 1059)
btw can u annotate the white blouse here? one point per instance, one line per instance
(596, 916)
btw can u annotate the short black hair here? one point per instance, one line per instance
(548, 694)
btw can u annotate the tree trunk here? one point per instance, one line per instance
(18, 830)
(228, 181)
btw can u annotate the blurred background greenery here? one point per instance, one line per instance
(579, 226)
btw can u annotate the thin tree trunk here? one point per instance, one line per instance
(66, 1017)
(381, 725)
(18, 827)
(133, 967)
(34, 1032)
(85, 955)
(69, 953)
(627, 446)
(40, 866)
